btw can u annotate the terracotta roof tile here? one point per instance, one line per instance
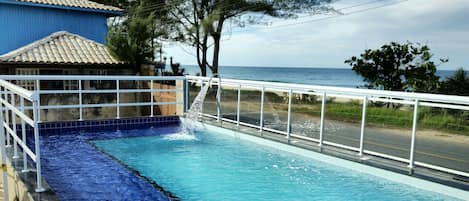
(62, 48)
(75, 3)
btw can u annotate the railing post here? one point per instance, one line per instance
(4, 155)
(219, 100)
(118, 115)
(202, 105)
(323, 114)
(38, 90)
(7, 119)
(152, 104)
(37, 148)
(23, 137)
(238, 107)
(13, 124)
(414, 133)
(80, 99)
(290, 94)
(186, 102)
(261, 123)
(362, 130)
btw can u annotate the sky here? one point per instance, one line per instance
(328, 40)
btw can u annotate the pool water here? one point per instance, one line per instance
(220, 167)
(76, 170)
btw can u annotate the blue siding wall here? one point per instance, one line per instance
(21, 25)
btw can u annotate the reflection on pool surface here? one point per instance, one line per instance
(220, 167)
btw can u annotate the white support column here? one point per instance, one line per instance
(118, 112)
(3, 155)
(290, 96)
(187, 103)
(323, 114)
(7, 118)
(152, 96)
(261, 121)
(38, 90)
(219, 115)
(13, 125)
(414, 133)
(202, 105)
(80, 98)
(37, 149)
(23, 137)
(238, 107)
(362, 130)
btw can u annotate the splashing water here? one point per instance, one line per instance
(189, 126)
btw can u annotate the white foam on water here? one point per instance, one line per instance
(181, 136)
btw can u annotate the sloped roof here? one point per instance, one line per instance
(75, 3)
(61, 48)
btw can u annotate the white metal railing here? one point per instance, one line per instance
(9, 112)
(12, 111)
(118, 91)
(411, 99)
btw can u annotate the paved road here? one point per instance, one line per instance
(432, 150)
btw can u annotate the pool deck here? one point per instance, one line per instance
(394, 166)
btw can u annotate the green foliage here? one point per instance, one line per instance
(397, 67)
(133, 39)
(458, 84)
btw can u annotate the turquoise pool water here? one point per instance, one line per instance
(220, 167)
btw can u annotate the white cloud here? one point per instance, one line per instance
(327, 43)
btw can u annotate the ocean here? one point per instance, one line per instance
(339, 77)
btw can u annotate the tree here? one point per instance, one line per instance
(124, 4)
(397, 67)
(201, 22)
(457, 84)
(132, 40)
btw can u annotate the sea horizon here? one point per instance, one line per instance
(338, 77)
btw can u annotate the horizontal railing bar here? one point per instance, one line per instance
(307, 93)
(17, 112)
(88, 91)
(304, 138)
(20, 142)
(341, 146)
(357, 97)
(403, 160)
(228, 120)
(456, 172)
(29, 95)
(249, 125)
(447, 106)
(349, 91)
(274, 131)
(46, 107)
(406, 102)
(42, 107)
(91, 77)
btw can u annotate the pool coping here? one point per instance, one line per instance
(355, 166)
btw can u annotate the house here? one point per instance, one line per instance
(25, 21)
(62, 53)
(57, 37)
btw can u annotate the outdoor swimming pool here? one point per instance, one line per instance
(222, 167)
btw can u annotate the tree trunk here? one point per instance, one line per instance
(216, 48)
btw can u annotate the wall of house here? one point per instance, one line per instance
(23, 24)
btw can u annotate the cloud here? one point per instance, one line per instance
(327, 43)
